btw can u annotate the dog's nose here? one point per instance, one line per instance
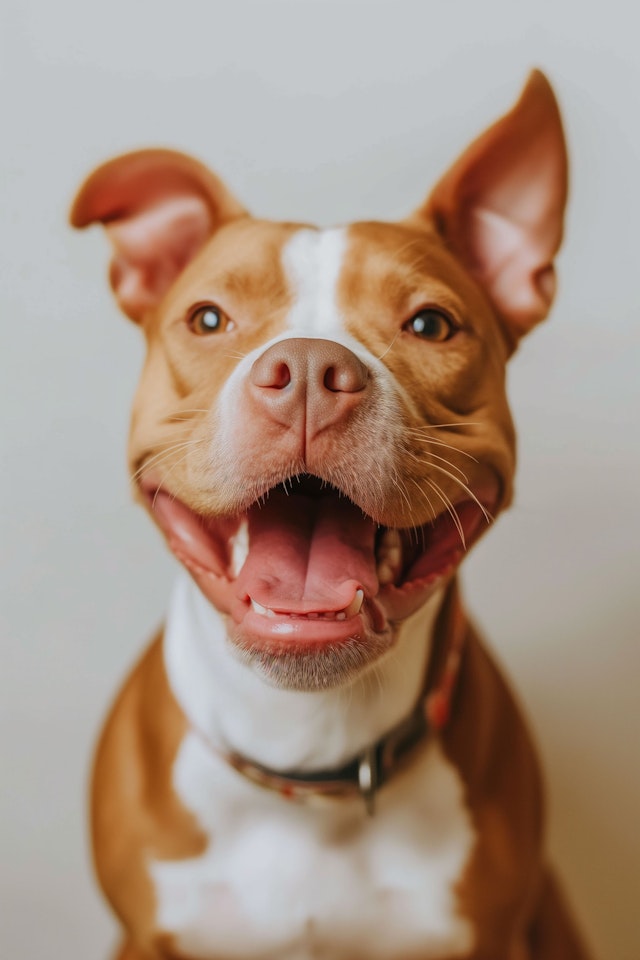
(315, 382)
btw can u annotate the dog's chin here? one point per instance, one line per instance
(311, 588)
(313, 668)
(313, 652)
(302, 653)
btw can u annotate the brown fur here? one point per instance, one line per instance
(182, 240)
(507, 891)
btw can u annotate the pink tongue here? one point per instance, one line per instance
(308, 554)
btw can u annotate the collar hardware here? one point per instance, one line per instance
(368, 778)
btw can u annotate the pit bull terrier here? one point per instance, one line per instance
(317, 758)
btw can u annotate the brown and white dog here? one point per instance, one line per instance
(317, 758)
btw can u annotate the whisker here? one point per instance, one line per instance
(467, 489)
(163, 455)
(389, 347)
(427, 498)
(179, 420)
(450, 509)
(375, 675)
(158, 457)
(196, 410)
(464, 483)
(170, 471)
(435, 456)
(454, 423)
(400, 486)
(442, 443)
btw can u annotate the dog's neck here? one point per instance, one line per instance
(236, 709)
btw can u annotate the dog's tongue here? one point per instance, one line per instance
(308, 553)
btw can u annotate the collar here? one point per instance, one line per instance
(366, 773)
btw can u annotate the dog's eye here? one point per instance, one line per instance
(431, 324)
(208, 319)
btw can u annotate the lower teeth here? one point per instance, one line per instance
(351, 611)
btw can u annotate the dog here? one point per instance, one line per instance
(317, 757)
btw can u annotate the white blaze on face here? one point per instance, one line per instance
(313, 261)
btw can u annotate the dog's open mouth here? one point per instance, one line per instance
(304, 568)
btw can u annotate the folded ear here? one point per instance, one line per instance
(500, 207)
(159, 207)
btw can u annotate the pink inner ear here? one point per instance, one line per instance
(510, 259)
(159, 208)
(152, 247)
(501, 207)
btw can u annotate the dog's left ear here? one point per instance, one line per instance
(500, 207)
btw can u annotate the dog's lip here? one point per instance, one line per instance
(282, 632)
(205, 547)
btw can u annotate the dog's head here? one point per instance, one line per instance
(321, 429)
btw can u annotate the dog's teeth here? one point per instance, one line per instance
(389, 539)
(350, 611)
(263, 611)
(239, 548)
(389, 557)
(393, 556)
(385, 574)
(354, 607)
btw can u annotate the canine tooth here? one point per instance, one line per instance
(239, 548)
(263, 611)
(354, 607)
(341, 616)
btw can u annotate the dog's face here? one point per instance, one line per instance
(328, 430)
(321, 428)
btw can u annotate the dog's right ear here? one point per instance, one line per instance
(159, 208)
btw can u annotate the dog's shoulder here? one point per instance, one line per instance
(488, 742)
(501, 749)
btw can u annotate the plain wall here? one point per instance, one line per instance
(323, 111)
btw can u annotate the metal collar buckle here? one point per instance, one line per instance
(368, 775)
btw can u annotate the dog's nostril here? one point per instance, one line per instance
(281, 376)
(348, 377)
(275, 374)
(309, 365)
(332, 380)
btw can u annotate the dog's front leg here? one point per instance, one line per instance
(128, 951)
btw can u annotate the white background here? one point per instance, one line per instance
(321, 111)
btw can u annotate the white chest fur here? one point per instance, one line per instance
(296, 880)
